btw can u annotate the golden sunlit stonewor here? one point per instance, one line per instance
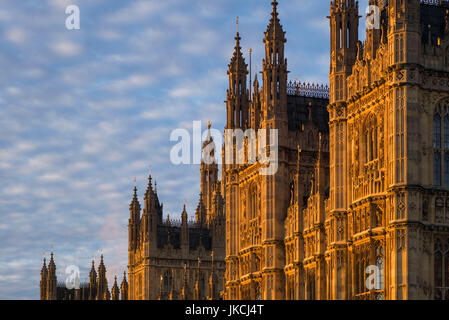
(359, 205)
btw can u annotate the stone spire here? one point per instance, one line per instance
(237, 103)
(102, 282)
(43, 282)
(150, 184)
(274, 70)
(51, 279)
(115, 290)
(274, 28)
(168, 222)
(135, 206)
(134, 221)
(184, 216)
(237, 63)
(92, 282)
(255, 105)
(184, 231)
(201, 212)
(124, 287)
(151, 199)
(152, 215)
(208, 172)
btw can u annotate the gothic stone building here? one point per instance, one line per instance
(95, 289)
(371, 190)
(362, 180)
(264, 213)
(171, 260)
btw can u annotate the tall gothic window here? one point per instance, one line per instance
(400, 135)
(441, 147)
(253, 202)
(441, 270)
(167, 281)
(370, 139)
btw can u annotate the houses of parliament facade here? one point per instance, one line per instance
(362, 185)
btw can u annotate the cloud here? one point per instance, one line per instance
(135, 12)
(66, 48)
(82, 113)
(134, 81)
(16, 35)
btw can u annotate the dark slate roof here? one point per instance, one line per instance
(298, 112)
(172, 235)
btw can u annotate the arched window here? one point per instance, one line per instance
(441, 146)
(167, 281)
(441, 270)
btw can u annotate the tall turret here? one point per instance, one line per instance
(201, 212)
(43, 282)
(124, 287)
(255, 105)
(51, 279)
(373, 33)
(102, 282)
(134, 221)
(344, 23)
(275, 72)
(237, 103)
(152, 215)
(92, 282)
(404, 31)
(115, 290)
(344, 26)
(184, 231)
(209, 172)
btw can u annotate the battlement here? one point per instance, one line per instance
(303, 89)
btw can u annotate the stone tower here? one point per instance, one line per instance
(43, 282)
(102, 282)
(115, 291)
(275, 185)
(236, 102)
(92, 282)
(51, 279)
(387, 153)
(160, 247)
(261, 199)
(124, 287)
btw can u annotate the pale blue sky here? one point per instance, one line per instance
(84, 112)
